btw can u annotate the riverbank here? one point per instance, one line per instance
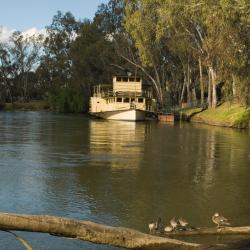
(32, 106)
(226, 115)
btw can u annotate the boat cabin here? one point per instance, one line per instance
(125, 93)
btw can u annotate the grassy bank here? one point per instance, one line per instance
(32, 105)
(228, 115)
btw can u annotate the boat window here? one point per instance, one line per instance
(118, 99)
(126, 100)
(132, 99)
(131, 79)
(118, 79)
(138, 79)
(140, 99)
(125, 79)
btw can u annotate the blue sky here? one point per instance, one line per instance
(26, 14)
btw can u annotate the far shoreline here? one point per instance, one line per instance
(34, 105)
(226, 115)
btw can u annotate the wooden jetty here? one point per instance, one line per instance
(170, 117)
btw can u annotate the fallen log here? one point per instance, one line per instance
(210, 231)
(89, 231)
(103, 234)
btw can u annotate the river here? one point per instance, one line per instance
(120, 173)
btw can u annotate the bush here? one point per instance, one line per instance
(244, 120)
(67, 100)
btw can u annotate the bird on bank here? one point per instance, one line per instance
(168, 229)
(154, 226)
(220, 220)
(183, 222)
(173, 223)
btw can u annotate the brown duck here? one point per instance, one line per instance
(220, 220)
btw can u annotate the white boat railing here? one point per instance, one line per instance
(110, 93)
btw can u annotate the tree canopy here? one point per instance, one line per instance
(191, 52)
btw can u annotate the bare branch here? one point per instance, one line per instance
(146, 73)
(23, 241)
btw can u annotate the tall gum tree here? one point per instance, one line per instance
(141, 22)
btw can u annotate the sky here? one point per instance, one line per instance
(31, 16)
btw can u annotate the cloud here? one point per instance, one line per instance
(5, 33)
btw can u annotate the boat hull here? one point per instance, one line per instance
(122, 115)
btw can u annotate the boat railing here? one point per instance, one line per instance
(110, 93)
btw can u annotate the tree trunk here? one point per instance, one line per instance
(188, 84)
(201, 82)
(183, 88)
(209, 97)
(213, 83)
(194, 97)
(234, 88)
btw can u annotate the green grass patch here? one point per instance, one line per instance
(232, 115)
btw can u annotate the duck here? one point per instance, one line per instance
(220, 220)
(168, 229)
(183, 222)
(173, 223)
(154, 226)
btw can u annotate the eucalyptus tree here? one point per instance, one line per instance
(56, 63)
(174, 23)
(92, 55)
(236, 54)
(217, 28)
(7, 75)
(25, 55)
(201, 35)
(110, 20)
(141, 22)
(60, 37)
(19, 56)
(109, 17)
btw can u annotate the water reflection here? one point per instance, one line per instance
(118, 143)
(121, 173)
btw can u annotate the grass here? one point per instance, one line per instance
(191, 111)
(231, 115)
(32, 105)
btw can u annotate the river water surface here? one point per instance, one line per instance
(120, 173)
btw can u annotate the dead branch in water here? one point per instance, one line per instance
(211, 231)
(23, 241)
(89, 231)
(93, 232)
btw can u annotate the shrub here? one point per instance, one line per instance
(67, 100)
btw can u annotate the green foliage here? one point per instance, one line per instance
(244, 120)
(175, 34)
(18, 59)
(91, 56)
(66, 100)
(109, 17)
(185, 48)
(77, 56)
